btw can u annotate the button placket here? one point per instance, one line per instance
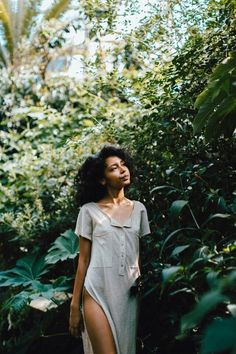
(122, 255)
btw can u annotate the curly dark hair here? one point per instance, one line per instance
(87, 180)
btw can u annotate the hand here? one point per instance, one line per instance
(76, 323)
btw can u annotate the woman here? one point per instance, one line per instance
(109, 226)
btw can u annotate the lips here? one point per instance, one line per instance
(125, 177)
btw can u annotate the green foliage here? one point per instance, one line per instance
(188, 187)
(222, 331)
(176, 207)
(216, 104)
(27, 274)
(18, 302)
(208, 302)
(65, 247)
(220, 337)
(27, 271)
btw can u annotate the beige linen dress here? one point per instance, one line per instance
(113, 269)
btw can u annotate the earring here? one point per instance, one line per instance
(103, 182)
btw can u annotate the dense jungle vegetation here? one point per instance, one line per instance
(165, 89)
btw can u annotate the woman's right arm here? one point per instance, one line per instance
(76, 321)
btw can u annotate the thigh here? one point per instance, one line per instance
(98, 327)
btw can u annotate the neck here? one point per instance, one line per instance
(115, 196)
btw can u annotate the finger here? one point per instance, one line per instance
(77, 333)
(74, 331)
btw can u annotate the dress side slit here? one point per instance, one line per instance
(91, 298)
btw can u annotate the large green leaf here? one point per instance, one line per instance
(220, 336)
(6, 23)
(217, 102)
(26, 271)
(224, 68)
(17, 302)
(217, 216)
(169, 273)
(174, 233)
(57, 9)
(163, 187)
(20, 21)
(177, 207)
(65, 246)
(227, 105)
(208, 302)
(207, 108)
(179, 249)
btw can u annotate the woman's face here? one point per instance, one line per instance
(116, 173)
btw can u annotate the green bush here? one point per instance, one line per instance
(188, 187)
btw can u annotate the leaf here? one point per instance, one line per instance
(217, 102)
(217, 216)
(219, 336)
(47, 290)
(179, 249)
(207, 303)
(177, 206)
(225, 67)
(17, 302)
(57, 9)
(161, 187)
(27, 270)
(172, 234)
(205, 111)
(168, 273)
(183, 290)
(65, 247)
(6, 23)
(226, 106)
(223, 71)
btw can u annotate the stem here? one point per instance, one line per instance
(194, 219)
(190, 209)
(54, 335)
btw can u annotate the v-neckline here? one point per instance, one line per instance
(116, 221)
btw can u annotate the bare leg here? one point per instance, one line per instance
(98, 327)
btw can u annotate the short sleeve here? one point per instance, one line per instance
(144, 223)
(84, 224)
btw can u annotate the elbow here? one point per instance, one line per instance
(84, 261)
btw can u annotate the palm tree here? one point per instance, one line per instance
(17, 19)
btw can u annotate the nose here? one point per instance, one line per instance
(123, 169)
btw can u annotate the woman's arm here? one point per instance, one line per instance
(76, 322)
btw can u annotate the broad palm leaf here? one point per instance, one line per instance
(57, 9)
(6, 28)
(17, 19)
